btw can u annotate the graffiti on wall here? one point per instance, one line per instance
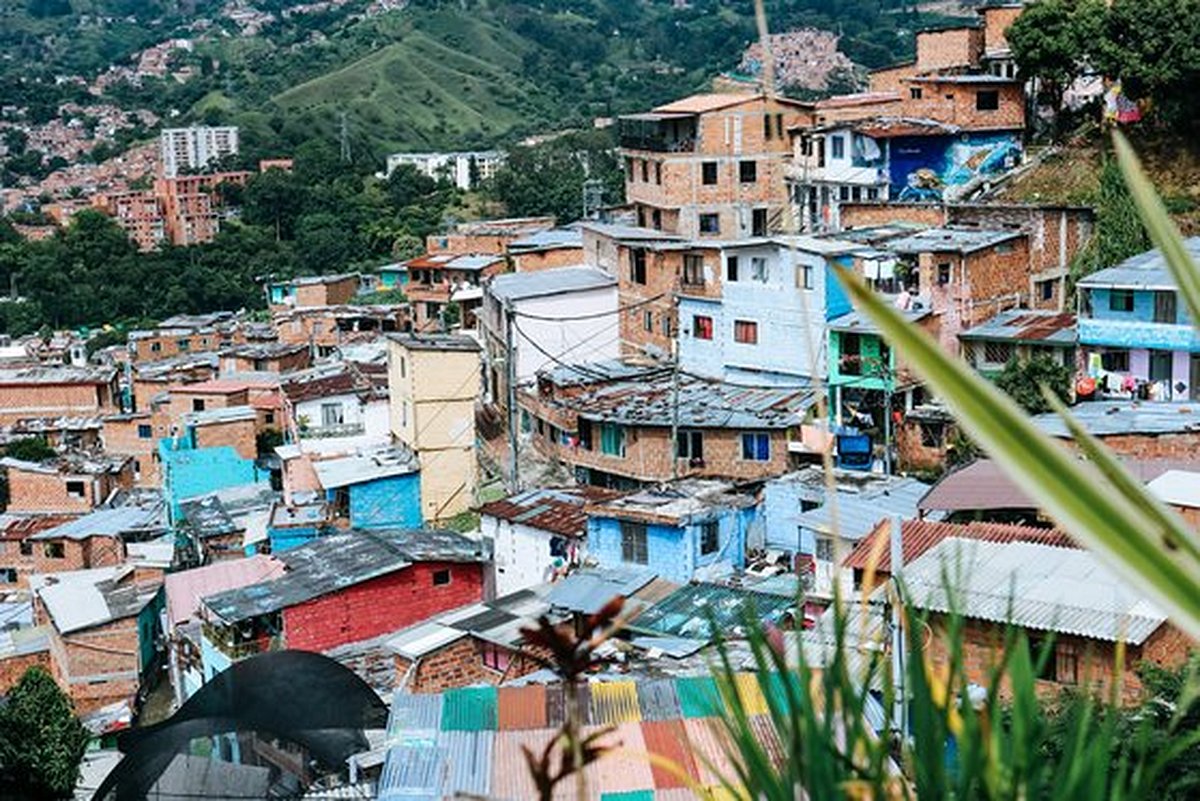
(931, 167)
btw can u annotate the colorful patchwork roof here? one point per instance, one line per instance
(472, 740)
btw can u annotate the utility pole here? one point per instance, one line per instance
(674, 446)
(899, 702)
(510, 379)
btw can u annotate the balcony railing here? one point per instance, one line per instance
(330, 431)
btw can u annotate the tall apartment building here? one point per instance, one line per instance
(711, 165)
(465, 170)
(194, 148)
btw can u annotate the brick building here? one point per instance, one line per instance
(611, 423)
(20, 650)
(546, 250)
(19, 555)
(192, 333)
(314, 290)
(233, 426)
(436, 280)
(194, 208)
(710, 165)
(1129, 428)
(104, 628)
(140, 213)
(492, 237)
(56, 391)
(71, 483)
(326, 328)
(343, 588)
(136, 435)
(266, 357)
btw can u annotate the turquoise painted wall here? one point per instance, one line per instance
(674, 551)
(188, 472)
(392, 502)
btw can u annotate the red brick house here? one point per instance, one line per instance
(346, 588)
(69, 484)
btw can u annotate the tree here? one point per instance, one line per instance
(1052, 41)
(548, 178)
(274, 198)
(1023, 382)
(41, 740)
(30, 449)
(1119, 230)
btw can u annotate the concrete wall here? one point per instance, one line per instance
(674, 552)
(188, 473)
(522, 554)
(393, 502)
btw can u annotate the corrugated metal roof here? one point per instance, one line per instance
(980, 485)
(1144, 271)
(108, 523)
(468, 756)
(858, 511)
(698, 696)
(588, 591)
(919, 536)
(413, 772)
(469, 709)
(1024, 325)
(1103, 418)
(366, 465)
(553, 509)
(1177, 487)
(958, 240)
(668, 740)
(521, 707)
(705, 102)
(614, 702)
(692, 611)
(414, 714)
(185, 588)
(711, 748)
(657, 700)
(1032, 586)
(558, 281)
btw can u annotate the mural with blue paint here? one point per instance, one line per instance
(922, 167)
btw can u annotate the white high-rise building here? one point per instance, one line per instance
(193, 148)
(466, 170)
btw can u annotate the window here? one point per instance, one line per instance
(933, 434)
(747, 171)
(710, 223)
(145, 431)
(648, 321)
(656, 219)
(915, 93)
(997, 352)
(731, 268)
(403, 367)
(766, 126)
(645, 171)
(75, 489)
(872, 193)
(693, 269)
(8, 575)
(758, 222)
(824, 549)
(689, 445)
(197, 404)
(745, 332)
(612, 440)
(837, 147)
(1115, 361)
(658, 172)
(710, 537)
(756, 447)
(666, 325)
(155, 347)
(708, 173)
(943, 273)
(1005, 247)
(331, 415)
(185, 344)
(804, 276)
(1120, 300)
(494, 657)
(1066, 664)
(633, 543)
(702, 327)
(54, 550)
(26, 548)
(758, 269)
(1045, 290)
(637, 266)
(269, 418)
(441, 578)
(844, 194)
(779, 126)
(1164, 307)
(851, 357)
(987, 100)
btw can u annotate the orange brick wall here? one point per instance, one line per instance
(47, 492)
(97, 666)
(871, 214)
(459, 664)
(53, 400)
(14, 667)
(121, 437)
(954, 103)
(996, 21)
(330, 294)
(982, 284)
(168, 344)
(546, 259)
(891, 79)
(237, 434)
(952, 47)
(285, 363)
(1182, 446)
(182, 400)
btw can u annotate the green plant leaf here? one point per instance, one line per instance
(1158, 222)
(1097, 514)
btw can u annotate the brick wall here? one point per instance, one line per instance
(869, 215)
(547, 259)
(283, 363)
(955, 103)
(662, 269)
(1096, 660)
(459, 664)
(951, 47)
(184, 400)
(120, 436)
(237, 434)
(330, 294)
(52, 400)
(892, 79)
(30, 491)
(381, 605)
(98, 666)
(912, 454)
(1183, 446)
(13, 668)
(996, 21)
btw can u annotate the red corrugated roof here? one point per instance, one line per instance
(918, 536)
(560, 511)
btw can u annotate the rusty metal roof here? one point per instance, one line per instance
(557, 510)
(1046, 327)
(919, 536)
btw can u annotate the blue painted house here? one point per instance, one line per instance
(188, 471)
(689, 529)
(375, 488)
(1135, 333)
(766, 326)
(393, 276)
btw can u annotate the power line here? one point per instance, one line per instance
(592, 316)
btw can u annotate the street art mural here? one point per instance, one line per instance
(935, 168)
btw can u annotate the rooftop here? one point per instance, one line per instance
(366, 465)
(547, 240)
(631, 232)
(957, 240)
(333, 563)
(980, 77)
(315, 280)
(860, 99)
(676, 502)
(557, 281)
(70, 464)
(856, 322)
(1144, 271)
(1178, 488)
(81, 599)
(1030, 585)
(703, 103)
(1104, 418)
(227, 414)
(324, 381)
(109, 523)
(863, 499)
(1024, 325)
(265, 350)
(471, 262)
(438, 342)
(594, 372)
(185, 588)
(704, 612)
(59, 374)
(559, 511)
(919, 536)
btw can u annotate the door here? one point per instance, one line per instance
(1194, 377)
(1160, 366)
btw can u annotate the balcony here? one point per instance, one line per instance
(334, 430)
(658, 133)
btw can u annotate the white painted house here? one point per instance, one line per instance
(540, 535)
(564, 314)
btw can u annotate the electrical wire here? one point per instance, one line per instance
(592, 316)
